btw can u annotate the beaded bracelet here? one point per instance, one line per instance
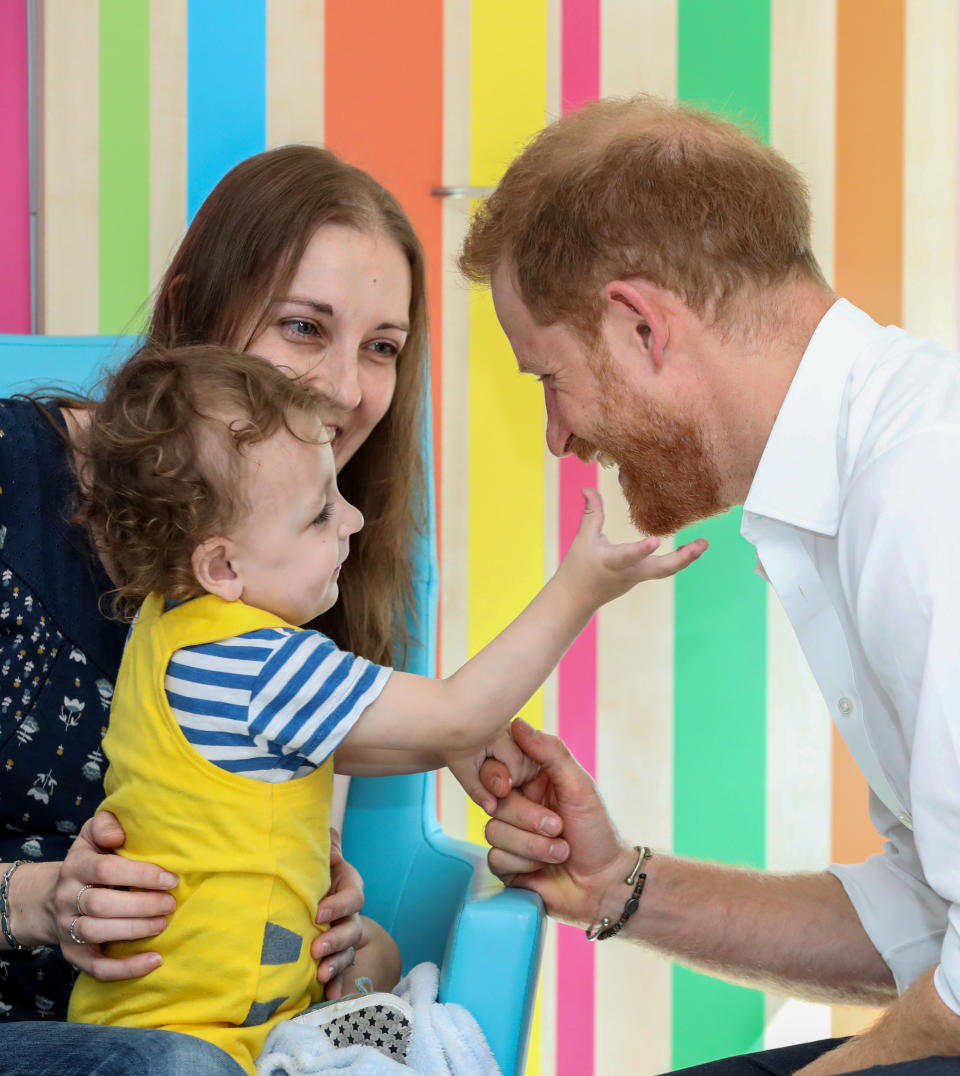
(4, 907)
(638, 881)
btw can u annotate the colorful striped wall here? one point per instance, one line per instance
(687, 699)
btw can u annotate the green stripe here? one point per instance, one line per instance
(720, 605)
(124, 164)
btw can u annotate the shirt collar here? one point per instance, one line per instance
(797, 481)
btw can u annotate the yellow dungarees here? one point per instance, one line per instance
(253, 857)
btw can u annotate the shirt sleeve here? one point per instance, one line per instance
(900, 568)
(309, 695)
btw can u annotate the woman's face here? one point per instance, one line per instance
(340, 327)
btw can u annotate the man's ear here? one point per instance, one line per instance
(213, 569)
(636, 310)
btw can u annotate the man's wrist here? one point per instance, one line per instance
(615, 916)
(613, 891)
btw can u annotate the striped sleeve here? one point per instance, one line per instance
(309, 695)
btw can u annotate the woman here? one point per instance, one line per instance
(309, 263)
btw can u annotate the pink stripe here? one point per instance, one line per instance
(577, 696)
(577, 678)
(580, 53)
(14, 171)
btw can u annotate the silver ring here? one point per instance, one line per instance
(83, 889)
(73, 933)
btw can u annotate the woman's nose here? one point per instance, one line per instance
(337, 378)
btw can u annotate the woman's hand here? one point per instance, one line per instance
(336, 948)
(89, 906)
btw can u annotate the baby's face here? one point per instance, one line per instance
(289, 548)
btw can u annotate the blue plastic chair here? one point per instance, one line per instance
(432, 893)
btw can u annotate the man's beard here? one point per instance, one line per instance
(667, 474)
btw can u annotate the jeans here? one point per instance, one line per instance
(787, 1059)
(54, 1048)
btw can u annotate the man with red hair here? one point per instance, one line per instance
(652, 267)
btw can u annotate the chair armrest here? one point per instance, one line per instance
(492, 962)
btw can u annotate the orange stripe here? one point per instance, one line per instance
(384, 113)
(869, 272)
(870, 117)
(868, 259)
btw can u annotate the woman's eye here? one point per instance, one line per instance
(300, 327)
(385, 349)
(324, 515)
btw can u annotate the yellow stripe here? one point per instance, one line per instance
(455, 389)
(168, 132)
(508, 93)
(295, 71)
(506, 473)
(71, 186)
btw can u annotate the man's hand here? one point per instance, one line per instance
(571, 875)
(786, 932)
(917, 1026)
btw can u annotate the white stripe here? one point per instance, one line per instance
(930, 170)
(207, 692)
(205, 723)
(275, 686)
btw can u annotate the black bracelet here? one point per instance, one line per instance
(604, 930)
(5, 908)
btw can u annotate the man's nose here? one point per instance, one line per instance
(557, 433)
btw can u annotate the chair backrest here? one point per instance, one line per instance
(391, 832)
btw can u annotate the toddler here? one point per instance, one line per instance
(211, 492)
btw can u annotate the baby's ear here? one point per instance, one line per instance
(213, 570)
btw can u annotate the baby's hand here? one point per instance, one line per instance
(518, 767)
(597, 571)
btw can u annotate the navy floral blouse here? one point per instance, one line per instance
(59, 658)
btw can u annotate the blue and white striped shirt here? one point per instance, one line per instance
(272, 704)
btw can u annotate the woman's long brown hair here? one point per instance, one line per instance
(239, 254)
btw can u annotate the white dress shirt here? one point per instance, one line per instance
(855, 515)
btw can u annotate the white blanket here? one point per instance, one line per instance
(445, 1041)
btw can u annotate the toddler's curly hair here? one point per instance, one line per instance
(162, 465)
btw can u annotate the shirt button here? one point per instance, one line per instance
(845, 706)
(905, 819)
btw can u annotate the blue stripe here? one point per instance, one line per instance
(256, 654)
(213, 677)
(311, 746)
(317, 702)
(207, 707)
(246, 765)
(212, 738)
(292, 687)
(226, 90)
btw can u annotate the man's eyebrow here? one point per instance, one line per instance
(326, 308)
